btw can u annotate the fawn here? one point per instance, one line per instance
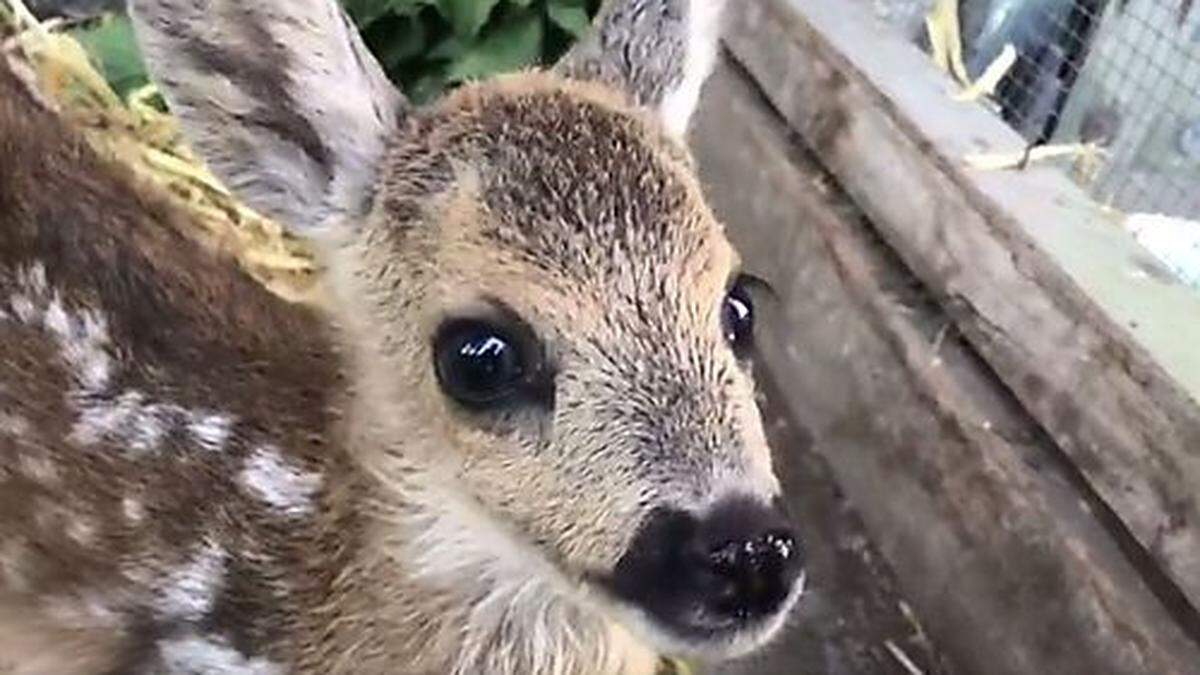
(522, 438)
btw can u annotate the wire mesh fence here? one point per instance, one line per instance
(1120, 75)
(1144, 72)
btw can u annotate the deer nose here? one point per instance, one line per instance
(726, 569)
(752, 556)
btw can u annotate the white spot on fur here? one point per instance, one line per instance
(81, 530)
(23, 308)
(89, 611)
(134, 510)
(13, 425)
(128, 418)
(284, 487)
(56, 319)
(82, 336)
(193, 655)
(142, 427)
(12, 565)
(32, 282)
(211, 431)
(85, 343)
(38, 468)
(189, 592)
(148, 427)
(33, 278)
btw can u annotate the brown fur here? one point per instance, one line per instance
(189, 324)
(31, 644)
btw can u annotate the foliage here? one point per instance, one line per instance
(425, 45)
(110, 43)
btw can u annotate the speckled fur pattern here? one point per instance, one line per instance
(161, 448)
(197, 478)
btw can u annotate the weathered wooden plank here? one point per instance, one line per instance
(995, 544)
(1097, 342)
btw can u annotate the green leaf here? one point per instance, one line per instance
(401, 39)
(467, 17)
(570, 16)
(366, 12)
(410, 7)
(450, 49)
(427, 45)
(514, 43)
(112, 47)
(426, 88)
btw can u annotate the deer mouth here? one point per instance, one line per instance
(696, 631)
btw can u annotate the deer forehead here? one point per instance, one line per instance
(555, 190)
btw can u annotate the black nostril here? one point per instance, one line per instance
(753, 575)
(756, 575)
(768, 552)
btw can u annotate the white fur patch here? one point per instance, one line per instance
(23, 308)
(196, 655)
(189, 592)
(56, 319)
(81, 530)
(141, 426)
(82, 336)
(14, 426)
(33, 278)
(32, 282)
(38, 468)
(128, 418)
(12, 565)
(88, 611)
(134, 510)
(211, 431)
(84, 340)
(703, 31)
(284, 487)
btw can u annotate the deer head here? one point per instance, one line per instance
(545, 328)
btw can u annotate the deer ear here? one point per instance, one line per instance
(280, 97)
(659, 51)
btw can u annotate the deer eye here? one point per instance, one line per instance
(481, 364)
(737, 319)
